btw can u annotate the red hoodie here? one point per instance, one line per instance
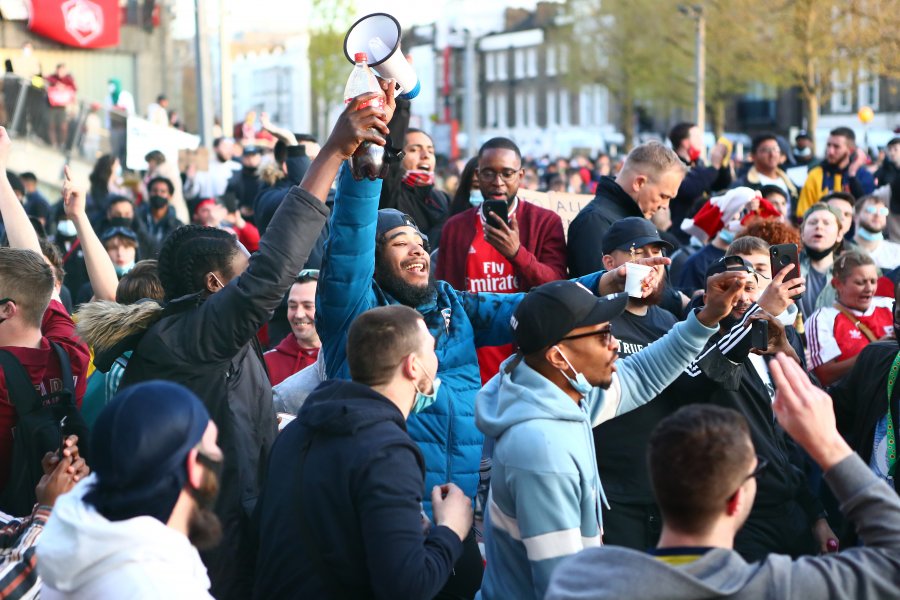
(288, 358)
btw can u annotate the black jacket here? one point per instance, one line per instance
(586, 231)
(345, 482)
(860, 398)
(729, 379)
(428, 206)
(209, 345)
(156, 231)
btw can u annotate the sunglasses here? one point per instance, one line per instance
(603, 335)
(310, 273)
(881, 211)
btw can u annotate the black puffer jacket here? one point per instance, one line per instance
(208, 344)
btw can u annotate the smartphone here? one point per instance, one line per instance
(783, 255)
(498, 207)
(759, 334)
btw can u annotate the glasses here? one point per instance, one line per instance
(775, 150)
(491, 174)
(603, 335)
(761, 464)
(881, 211)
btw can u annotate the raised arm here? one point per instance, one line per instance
(18, 228)
(100, 268)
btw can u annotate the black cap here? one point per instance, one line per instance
(391, 218)
(550, 311)
(632, 232)
(729, 263)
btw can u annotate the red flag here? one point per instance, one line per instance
(79, 23)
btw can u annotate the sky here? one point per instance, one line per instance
(278, 15)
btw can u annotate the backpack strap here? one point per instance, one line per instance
(65, 368)
(19, 388)
(856, 322)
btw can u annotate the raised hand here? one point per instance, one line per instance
(722, 294)
(356, 126)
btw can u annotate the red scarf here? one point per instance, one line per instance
(418, 178)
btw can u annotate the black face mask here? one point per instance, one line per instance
(121, 222)
(158, 202)
(816, 254)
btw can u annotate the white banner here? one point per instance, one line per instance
(144, 137)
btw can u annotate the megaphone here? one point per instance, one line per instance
(378, 35)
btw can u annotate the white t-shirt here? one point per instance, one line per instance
(774, 181)
(886, 255)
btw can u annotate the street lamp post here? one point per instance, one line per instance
(697, 14)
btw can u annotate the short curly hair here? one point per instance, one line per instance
(773, 231)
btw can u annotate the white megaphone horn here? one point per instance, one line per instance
(378, 35)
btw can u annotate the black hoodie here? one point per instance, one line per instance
(347, 478)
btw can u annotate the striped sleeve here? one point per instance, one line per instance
(18, 561)
(820, 340)
(734, 345)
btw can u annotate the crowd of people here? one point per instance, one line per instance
(268, 379)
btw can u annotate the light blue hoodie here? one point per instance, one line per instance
(545, 496)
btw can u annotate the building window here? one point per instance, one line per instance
(601, 105)
(550, 56)
(490, 73)
(552, 118)
(563, 59)
(502, 74)
(842, 97)
(564, 117)
(531, 66)
(520, 117)
(502, 111)
(519, 57)
(490, 111)
(586, 106)
(532, 109)
(869, 90)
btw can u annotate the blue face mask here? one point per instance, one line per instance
(424, 400)
(580, 384)
(868, 235)
(120, 271)
(726, 236)
(475, 198)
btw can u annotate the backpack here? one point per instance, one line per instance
(38, 429)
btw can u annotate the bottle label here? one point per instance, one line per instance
(377, 102)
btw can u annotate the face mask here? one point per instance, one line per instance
(693, 154)
(118, 170)
(112, 89)
(66, 229)
(423, 400)
(726, 236)
(580, 384)
(122, 270)
(803, 152)
(816, 254)
(415, 178)
(157, 202)
(867, 235)
(475, 198)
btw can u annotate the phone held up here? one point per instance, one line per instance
(497, 207)
(782, 255)
(759, 334)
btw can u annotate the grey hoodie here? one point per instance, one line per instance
(870, 572)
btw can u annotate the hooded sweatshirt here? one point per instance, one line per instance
(545, 496)
(82, 555)
(344, 496)
(872, 571)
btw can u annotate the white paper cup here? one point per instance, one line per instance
(634, 275)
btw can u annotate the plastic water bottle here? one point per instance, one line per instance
(368, 160)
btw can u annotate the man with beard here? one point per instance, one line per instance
(480, 252)
(213, 182)
(374, 258)
(842, 171)
(871, 220)
(786, 517)
(409, 185)
(299, 348)
(135, 525)
(632, 518)
(545, 497)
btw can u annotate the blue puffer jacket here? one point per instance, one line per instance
(459, 321)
